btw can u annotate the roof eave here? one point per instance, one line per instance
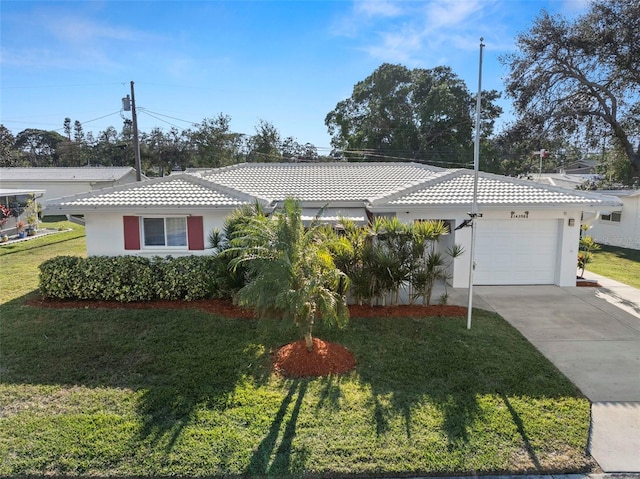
(481, 206)
(134, 209)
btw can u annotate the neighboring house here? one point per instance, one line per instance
(59, 182)
(610, 226)
(580, 167)
(15, 200)
(563, 180)
(618, 226)
(528, 233)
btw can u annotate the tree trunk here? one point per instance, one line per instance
(308, 339)
(634, 156)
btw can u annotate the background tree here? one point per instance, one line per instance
(581, 78)
(162, 152)
(80, 145)
(266, 144)
(207, 145)
(108, 150)
(213, 143)
(72, 151)
(420, 114)
(39, 147)
(8, 152)
(67, 128)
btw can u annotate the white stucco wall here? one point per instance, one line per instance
(105, 235)
(626, 233)
(569, 238)
(567, 241)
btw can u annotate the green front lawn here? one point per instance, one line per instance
(620, 264)
(121, 392)
(183, 392)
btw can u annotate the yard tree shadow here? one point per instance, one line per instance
(182, 361)
(261, 463)
(521, 430)
(179, 360)
(448, 374)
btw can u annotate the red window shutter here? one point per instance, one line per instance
(131, 232)
(195, 232)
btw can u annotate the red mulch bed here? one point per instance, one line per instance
(293, 359)
(226, 308)
(406, 310)
(587, 284)
(222, 307)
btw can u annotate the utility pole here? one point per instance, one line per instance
(136, 143)
(130, 104)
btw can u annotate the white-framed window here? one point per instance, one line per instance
(614, 217)
(164, 232)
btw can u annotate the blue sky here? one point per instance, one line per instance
(286, 62)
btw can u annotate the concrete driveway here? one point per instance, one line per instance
(592, 335)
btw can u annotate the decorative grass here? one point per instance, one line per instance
(620, 264)
(98, 392)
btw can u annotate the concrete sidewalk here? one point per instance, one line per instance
(592, 335)
(543, 476)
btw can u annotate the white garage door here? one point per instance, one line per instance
(516, 252)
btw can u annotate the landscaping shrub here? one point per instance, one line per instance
(184, 278)
(127, 278)
(62, 277)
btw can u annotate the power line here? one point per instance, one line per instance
(26, 87)
(146, 112)
(149, 112)
(100, 117)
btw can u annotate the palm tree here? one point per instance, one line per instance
(292, 274)
(230, 281)
(431, 265)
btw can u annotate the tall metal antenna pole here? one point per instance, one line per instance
(474, 204)
(136, 143)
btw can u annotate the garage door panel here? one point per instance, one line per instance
(516, 252)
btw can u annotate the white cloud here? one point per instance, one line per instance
(377, 8)
(416, 33)
(451, 13)
(397, 46)
(575, 7)
(75, 30)
(70, 40)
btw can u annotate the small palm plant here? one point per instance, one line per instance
(351, 259)
(585, 252)
(431, 265)
(292, 274)
(230, 281)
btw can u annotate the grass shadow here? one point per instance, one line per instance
(269, 461)
(414, 364)
(179, 360)
(187, 364)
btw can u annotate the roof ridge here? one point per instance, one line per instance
(347, 164)
(540, 186)
(113, 189)
(415, 186)
(202, 181)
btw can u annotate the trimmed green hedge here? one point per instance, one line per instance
(128, 278)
